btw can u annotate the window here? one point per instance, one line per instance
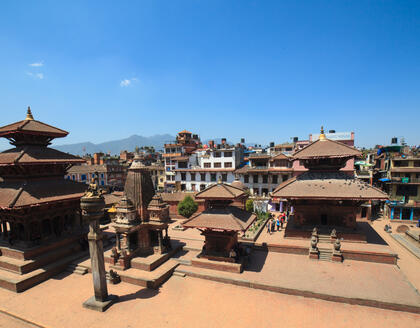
(207, 165)
(416, 163)
(246, 178)
(192, 186)
(183, 187)
(183, 176)
(265, 178)
(213, 177)
(224, 177)
(102, 175)
(255, 178)
(203, 177)
(83, 177)
(228, 154)
(102, 183)
(228, 164)
(275, 179)
(74, 177)
(400, 163)
(182, 165)
(217, 154)
(202, 186)
(193, 176)
(407, 190)
(285, 177)
(217, 165)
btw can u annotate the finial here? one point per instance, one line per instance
(322, 135)
(29, 114)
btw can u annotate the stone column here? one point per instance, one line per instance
(160, 241)
(5, 232)
(92, 204)
(118, 241)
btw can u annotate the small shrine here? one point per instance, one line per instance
(221, 221)
(141, 218)
(324, 197)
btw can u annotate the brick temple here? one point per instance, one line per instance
(324, 197)
(41, 224)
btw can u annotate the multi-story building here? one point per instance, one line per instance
(403, 186)
(157, 172)
(265, 172)
(185, 144)
(207, 166)
(110, 172)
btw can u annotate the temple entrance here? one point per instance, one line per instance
(154, 238)
(324, 220)
(133, 241)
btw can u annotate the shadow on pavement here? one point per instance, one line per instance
(144, 293)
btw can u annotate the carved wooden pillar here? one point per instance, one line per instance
(118, 241)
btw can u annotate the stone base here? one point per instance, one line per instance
(203, 262)
(337, 258)
(93, 304)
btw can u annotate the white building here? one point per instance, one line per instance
(206, 166)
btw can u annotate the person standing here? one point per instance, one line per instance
(278, 223)
(282, 220)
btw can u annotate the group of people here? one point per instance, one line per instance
(276, 222)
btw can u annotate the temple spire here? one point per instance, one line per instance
(29, 114)
(322, 135)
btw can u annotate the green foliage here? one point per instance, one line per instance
(187, 207)
(249, 205)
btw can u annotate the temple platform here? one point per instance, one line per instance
(354, 282)
(21, 269)
(149, 271)
(201, 261)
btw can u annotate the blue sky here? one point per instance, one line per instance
(263, 70)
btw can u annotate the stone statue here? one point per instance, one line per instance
(337, 246)
(314, 242)
(334, 234)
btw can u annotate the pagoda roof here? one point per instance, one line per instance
(22, 193)
(32, 154)
(31, 126)
(185, 132)
(326, 148)
(229, 218)
(327, 185)
(220, 191)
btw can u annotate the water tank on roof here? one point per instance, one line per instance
(242, 140)
(295, 139)
(331, 131)
(271, 144)
(394, 140)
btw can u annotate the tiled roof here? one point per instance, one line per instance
(326, 148)
(220, 191)
(32, 127)
(31, 192)
(176, 196)
(327, 185)
(36, 154)
(229, 218)
(247, 169)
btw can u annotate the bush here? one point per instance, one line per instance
(249, 205)
(187, 207)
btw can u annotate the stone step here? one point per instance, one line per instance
(184, 262)
(409, 244)
(20, 282)
(179, 274)
(21, 266)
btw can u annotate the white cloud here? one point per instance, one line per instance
(39, 76)
(127, 82)
(37, 64)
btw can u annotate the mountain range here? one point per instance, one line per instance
(115, 146)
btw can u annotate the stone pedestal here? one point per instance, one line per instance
(92, 204)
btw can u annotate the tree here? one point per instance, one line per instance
(187, 207)
(249, 205)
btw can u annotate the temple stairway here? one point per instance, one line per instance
(325, 254)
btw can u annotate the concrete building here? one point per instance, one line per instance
(207, 166)
(185, 144)
(265, 172)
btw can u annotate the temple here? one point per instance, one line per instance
(141, 219)
(323, 197)
(221, 221)
(41, 223)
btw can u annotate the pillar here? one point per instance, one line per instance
(92, 205)
(118, 241)
(160, 240)
(5, 232)
(281, 206)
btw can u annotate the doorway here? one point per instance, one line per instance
(324, 219)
